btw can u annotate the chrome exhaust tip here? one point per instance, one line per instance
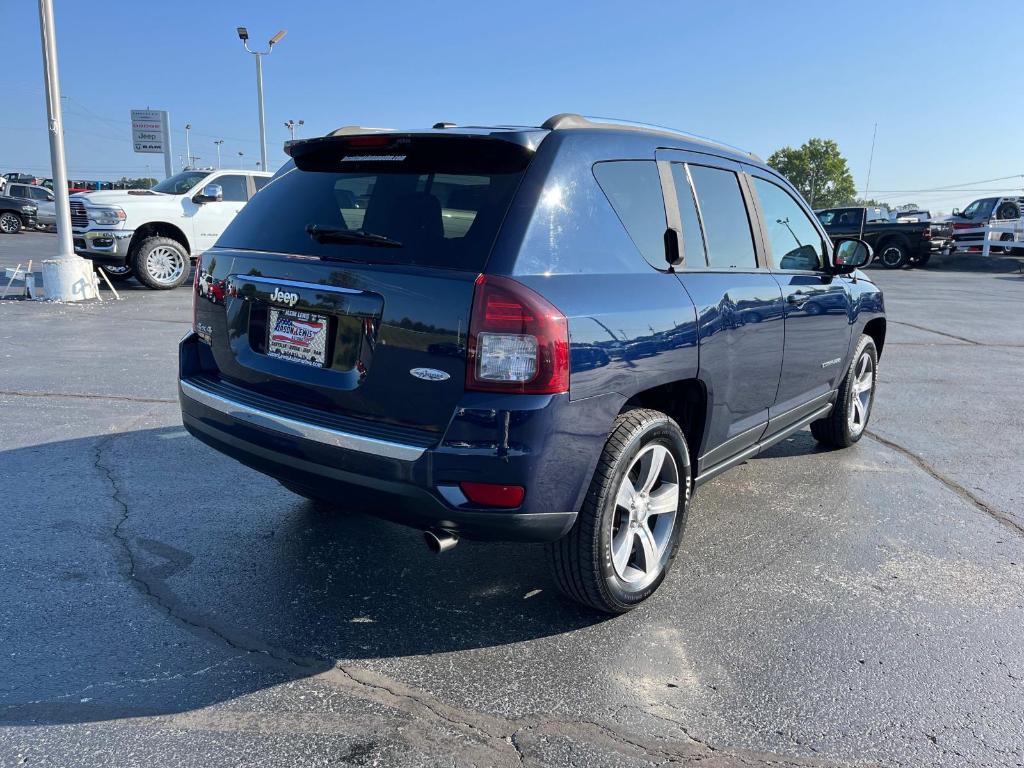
(439, 541)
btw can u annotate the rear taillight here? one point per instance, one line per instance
(927, 234)
(518, 341)
(195, 291)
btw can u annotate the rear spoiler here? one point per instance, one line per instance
(414, 151)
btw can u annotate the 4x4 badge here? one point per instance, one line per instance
(430, 374)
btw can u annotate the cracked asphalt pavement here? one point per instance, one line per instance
(162, 605)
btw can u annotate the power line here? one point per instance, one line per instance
(951, 188)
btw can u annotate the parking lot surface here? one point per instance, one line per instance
(160, 604)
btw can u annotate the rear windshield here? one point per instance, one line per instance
(436, 206)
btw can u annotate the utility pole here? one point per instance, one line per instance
(68, 277)
(243, 35)
(188, 148)
(218, 142)
(291, 125)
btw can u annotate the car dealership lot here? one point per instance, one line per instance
(859, 607)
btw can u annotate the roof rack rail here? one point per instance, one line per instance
(566, 120)
(355, 130)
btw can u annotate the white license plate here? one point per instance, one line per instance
(298, 336)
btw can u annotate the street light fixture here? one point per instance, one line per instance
(291, 125)
(243, 35)
(241, 162)
(218, 142)
(188, 149)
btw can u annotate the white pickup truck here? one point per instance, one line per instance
(155, 233)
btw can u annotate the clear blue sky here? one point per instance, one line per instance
(754, 74)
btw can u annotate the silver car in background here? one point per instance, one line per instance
(41, 196)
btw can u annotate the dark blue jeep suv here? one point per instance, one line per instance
(535, 334)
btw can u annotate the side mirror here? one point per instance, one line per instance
(212, 193)
(50, 198)
(849, 255)
(956, 211)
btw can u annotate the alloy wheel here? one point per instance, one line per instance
(892, 256)
(646, 507)
(863, 388)
(165, 265)
(9, 223)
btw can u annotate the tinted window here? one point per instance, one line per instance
(440, 218)
(633, 187)
(726, 226)
(693, 240)
(980, 209)
(235, 188)
(260, 182)
(841, 217)
(795, 241)
(39, 194)
(16, 190)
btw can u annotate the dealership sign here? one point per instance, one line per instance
(149, 130)
(151, 134)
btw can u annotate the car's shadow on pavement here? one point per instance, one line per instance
(146, 556)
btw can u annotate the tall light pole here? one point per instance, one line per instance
(218, 142)
(188, 148)
(243, 35)
(68, 277)
(241, 162)
(291, 125)
(55, 123)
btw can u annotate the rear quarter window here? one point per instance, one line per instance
(633, 187)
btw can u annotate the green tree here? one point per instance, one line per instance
(818, 170)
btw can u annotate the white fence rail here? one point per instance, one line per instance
(992, 236)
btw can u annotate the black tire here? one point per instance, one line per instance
(116, 274)
(143, 267)
(893, 254)
(1008, 210)
(10, 223)
(1006, 237)
(839, 429)
(582, 559)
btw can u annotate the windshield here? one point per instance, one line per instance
(427, 209)
(979, 209)
(181, 183)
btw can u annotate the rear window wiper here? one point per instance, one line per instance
(324, 234)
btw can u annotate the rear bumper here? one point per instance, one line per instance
(411, 481)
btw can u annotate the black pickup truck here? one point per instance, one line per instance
(895, 244)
